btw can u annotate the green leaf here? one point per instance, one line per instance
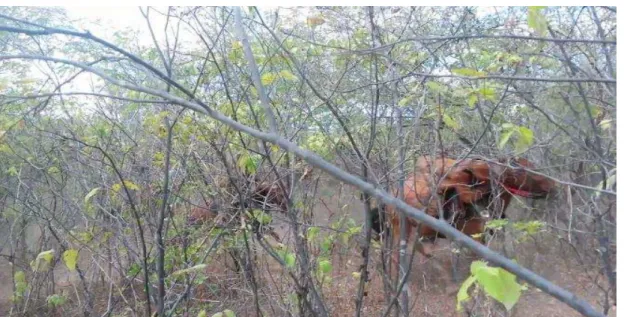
(237, 45)
(248, 163)
(595, 111)
(508, 126)
(327, 243)
(403, 102)
(472, 100)
(229, 313)
(525, 139)
(313, 232)
(450, 122)
(504, 138)
(70, 258)
(325, 266)
(53, 170)
(261, 216)
(536, 20)
(20, 277)
(287, 75)
(289, 259)
(21, 286)
(12, 171)
(526, 135)
(56, 300)
(134, 269)
(496, 224)
(42, 261)
(130, 185)
(497, 283)
(268, 78)
(91, 194)
(434, 86)
(202, 313)
(605, 124)
(462, 294)
(488, 93)
(470, 72)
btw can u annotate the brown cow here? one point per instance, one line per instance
(462, 187)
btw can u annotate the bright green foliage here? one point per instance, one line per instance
(288, 257)
(496, 282)
(21, 286)
(523, 137)
(56, 300)
(537, 21)
(42, 261)
(260, 216)
(70, 258)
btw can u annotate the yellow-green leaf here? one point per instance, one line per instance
(605, 124)
(91, 194)
(497, 283)
(70, 258)
(526, 135)
(247, 163)
(20, 283)
(504, 138)
(268, 78)
(42, 261)
(202, 313)
(525, 139)
(237, 45)
(46, 255)
(404, 101)
(287, 75)
(434, 86)
(130, 185)
(488, 93)
(450, 122)
(536, 20)
(12, 171)
(313, 232)
(462, 294)
(472, 100)
(595, 111)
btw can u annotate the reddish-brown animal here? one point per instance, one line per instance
(461, 187)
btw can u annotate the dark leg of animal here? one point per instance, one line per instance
(377, 225)
(453, 209)
(377, 222)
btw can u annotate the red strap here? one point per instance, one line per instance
(519, 192)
